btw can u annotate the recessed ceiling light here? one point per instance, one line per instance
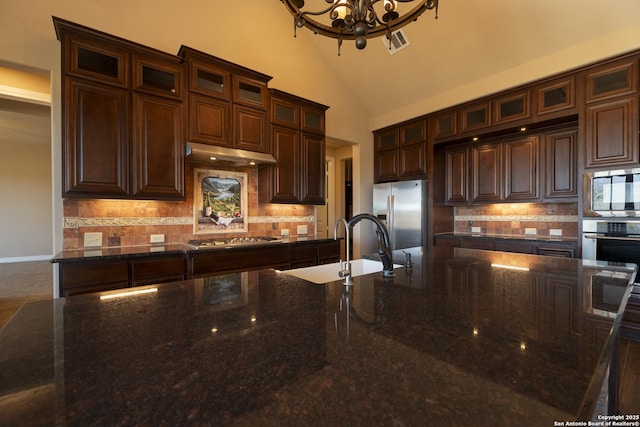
(212, 158)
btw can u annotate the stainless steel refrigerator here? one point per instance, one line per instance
(402, 207)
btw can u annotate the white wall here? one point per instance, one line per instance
(25, 211)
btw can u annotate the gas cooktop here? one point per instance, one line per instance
(233, 241)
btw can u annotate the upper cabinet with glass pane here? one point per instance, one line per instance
(612, 80)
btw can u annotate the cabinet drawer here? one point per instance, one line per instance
(304, 252)
(227, 261)
(558, 251)
(329, 252)
(475, 243)
(519, 247)
(157, 268)
(84, 274)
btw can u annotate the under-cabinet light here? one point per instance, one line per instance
(128, 293)
(510, 267)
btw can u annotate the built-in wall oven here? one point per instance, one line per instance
(611, 240)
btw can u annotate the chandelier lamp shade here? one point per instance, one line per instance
(356, 19)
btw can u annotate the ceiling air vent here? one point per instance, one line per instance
(398, 42)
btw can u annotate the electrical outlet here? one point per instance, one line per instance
(302, 229)
(157, 238)
(555, 232)
(284, 232)
(476, 229)
(92, 240)
(530, 231)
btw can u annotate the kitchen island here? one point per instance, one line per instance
(464, 337)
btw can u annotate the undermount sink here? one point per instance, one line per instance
(329, 272)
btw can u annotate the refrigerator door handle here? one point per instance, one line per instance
(391, 201)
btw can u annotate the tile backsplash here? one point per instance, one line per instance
(519, 219)
(132, 222)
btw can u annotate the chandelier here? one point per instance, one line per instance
(356, 19)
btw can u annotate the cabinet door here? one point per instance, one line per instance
(95, 60)
(475, 117)
(250, 92)
(285, 113)
(511, 107)
(386, 140)
(312, 119)
(85, 277)
(209, 80)
(312, 169)
(158, 169)
(168, 268)
(95, 140)
(612, 80)
(611, 130)
(445, 125)
(250, 129)
(561, 165)
(486, 166)
(285, 173)
(414, 132)
(521, 169)
(457, 173)
(413, 160)
(386, 166)
(158, 77)
(209, 120)
(555, 98)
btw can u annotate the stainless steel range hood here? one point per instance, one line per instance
(223, 155)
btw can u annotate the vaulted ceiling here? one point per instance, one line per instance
(472, 40)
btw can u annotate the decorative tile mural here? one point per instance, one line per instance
(220, 202)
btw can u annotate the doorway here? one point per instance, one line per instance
(26, 222)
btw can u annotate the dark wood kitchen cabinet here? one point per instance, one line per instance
(561, 165)
(611, 131)
(521, 169)
(310, 253)
(611, 114)
(227, 103)
(457, 174)
(401, 152)
(115, 97)
(486, 166)
(104, 275)
(297, 136)
(498, 171)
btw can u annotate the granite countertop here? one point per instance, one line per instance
(452, 341)
(117, 252)
(533, 237)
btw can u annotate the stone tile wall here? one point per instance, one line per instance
(515, 218)
(132, 222)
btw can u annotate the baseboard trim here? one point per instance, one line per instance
(25, 258)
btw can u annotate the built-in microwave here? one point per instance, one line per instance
(613, 193)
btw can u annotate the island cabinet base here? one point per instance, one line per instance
(117, 268)
(104, 275)
(230, 260)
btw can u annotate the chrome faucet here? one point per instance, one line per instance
(384, 242)
(345, 267)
